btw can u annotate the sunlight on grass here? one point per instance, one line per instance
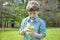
(10, 35)
(52, 34)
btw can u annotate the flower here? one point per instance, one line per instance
(31, 28)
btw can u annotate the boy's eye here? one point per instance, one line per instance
(32, 13)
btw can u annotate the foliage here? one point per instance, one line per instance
(15, 11)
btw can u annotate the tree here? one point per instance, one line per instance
(1, 7)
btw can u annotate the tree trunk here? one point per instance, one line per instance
(1, 7)
(0, 20)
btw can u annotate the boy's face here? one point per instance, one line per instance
(33, 14)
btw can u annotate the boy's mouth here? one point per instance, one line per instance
(32, 17)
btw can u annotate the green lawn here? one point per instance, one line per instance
(13, 34)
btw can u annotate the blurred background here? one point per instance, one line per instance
(13, 11)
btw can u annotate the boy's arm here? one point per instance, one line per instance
(36, 35)
(42, 32)
(23, 29)
(22, 32)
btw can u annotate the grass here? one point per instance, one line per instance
(13, 34)
(52, 34)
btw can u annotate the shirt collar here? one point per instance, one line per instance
(36, 19)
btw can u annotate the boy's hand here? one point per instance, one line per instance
(28, 29)
(25, 29)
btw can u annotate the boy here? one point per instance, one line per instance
(33, 20)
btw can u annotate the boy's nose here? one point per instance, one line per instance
(32, 15)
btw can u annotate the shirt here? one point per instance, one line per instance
(38, 24)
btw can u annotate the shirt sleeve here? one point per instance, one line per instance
(43, 28)
(22, 25)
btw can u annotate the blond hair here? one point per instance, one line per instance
(32, 6)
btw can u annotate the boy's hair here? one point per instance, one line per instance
(32, 6)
